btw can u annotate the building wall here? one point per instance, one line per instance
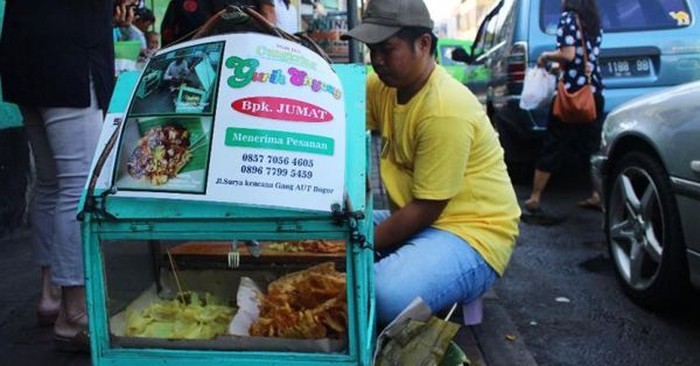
(467, 16)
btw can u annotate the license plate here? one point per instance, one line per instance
(626, 67)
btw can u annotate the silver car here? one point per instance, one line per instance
(648, 170)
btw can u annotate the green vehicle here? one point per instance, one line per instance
(474, 76)
(458, 70)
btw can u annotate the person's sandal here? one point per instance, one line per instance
(535, 215)
(532, 208)
(590, 204)
(80, 342)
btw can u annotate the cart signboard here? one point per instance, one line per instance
(239, 118)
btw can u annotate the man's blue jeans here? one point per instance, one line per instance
(434, 264)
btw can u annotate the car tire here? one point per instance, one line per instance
(643, 232)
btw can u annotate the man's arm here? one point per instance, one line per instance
(407, 221)
(168, 72)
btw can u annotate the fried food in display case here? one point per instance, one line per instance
(308, 246)
(293, 253)
(188, 316)
(196, 308)
(308, 304)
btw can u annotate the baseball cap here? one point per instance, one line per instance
(383, 18)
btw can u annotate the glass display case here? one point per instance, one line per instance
(227, 295)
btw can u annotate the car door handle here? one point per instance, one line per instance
(695, 166)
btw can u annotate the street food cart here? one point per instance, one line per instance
(195, 95)
(221, 234)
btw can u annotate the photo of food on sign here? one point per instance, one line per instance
(179, 81)
(164, 154)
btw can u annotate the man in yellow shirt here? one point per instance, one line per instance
(454, 214)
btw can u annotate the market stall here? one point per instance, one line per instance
(236, 231)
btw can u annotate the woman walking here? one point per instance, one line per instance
(579, 27)
(57, 63)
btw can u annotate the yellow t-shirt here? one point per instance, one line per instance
(439, 146)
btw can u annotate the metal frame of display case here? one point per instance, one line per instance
(119, 218)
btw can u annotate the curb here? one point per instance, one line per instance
(498, 338)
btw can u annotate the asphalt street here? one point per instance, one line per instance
(561, 291)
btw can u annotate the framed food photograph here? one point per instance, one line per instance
(165, 154)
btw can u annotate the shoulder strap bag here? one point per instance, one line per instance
(577, 107)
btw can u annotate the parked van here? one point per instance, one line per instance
(648, 45)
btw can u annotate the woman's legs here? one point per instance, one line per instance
(64, 140)
(73, 135)
(593, 145)
(49, 299)
(42, 207)
(539, 183)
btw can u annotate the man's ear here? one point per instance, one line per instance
(424, 42)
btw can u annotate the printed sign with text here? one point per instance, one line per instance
(239, 118)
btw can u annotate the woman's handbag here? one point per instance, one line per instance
(577, 107)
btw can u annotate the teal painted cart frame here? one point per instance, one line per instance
(158, 219)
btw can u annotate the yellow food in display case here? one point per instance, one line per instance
(189, 316)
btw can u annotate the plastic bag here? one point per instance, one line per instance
(538, 88)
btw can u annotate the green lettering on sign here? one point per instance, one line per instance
(278, 140)
(243, 71)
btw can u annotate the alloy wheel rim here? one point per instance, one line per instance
(636, 228)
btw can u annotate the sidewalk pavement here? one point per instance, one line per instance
(494, 342)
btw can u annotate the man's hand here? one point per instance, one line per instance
(404, 223)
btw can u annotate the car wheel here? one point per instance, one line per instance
(643, 231)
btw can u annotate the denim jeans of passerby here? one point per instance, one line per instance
(63, 142)
(434, 264)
